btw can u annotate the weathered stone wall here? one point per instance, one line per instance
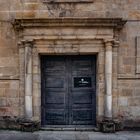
(9, 73)
(126, 97)
(128, 9)
(128, 72)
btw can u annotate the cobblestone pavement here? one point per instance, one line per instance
(68, 135)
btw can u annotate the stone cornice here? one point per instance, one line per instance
(116, 23)
(67, 1)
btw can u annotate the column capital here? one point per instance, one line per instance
(20, 44)
(111, 42)
(108, 42)
(26, 43)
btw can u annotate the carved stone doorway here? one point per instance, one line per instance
(68, 36)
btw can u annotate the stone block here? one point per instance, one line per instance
(13, 111)
(8, 71)
(21, 101)
(2, 92)
(37, 101)
(4, 5)
(17, 6)
(42, 14)
(28, 14)
(115, 107)
(18, 14)
(131, 124)
(134, 14)
(100, 68)
(4, 111)
(31, 6)
(37, 111)
(14, 93)
(8, 61)
(138, 65)
(128, 60)
(135, 111)
(14, 102)
(4, 84)
(36, 78)
(35, 70)
(123, 101)
(136, 92)
(21, 111)
(36, 61)
(83, 49)
(5, 52)
(134, 101)
(3, 102)
(129, 69)
(126, 92)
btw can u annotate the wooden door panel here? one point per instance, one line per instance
(82, 97)
(55, 117)
(68, 90)
(54, 90)
(55, 82)
(55, 98)
(83, 90)
(82, 117)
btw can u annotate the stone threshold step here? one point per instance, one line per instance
(68, 129)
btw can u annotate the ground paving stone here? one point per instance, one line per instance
(68, 135)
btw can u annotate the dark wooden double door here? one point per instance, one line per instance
(68, 90)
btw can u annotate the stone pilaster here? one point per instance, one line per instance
(22, 76)
(28, 78)
(108, 124)
(108, 79)
(115, 78)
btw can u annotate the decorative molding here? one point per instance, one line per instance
(116, 23)
(23, 43)
(67, 1)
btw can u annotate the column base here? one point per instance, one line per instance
(16, 123)
(110, 126)
(29, 125)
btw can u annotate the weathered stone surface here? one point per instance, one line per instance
(64, 40)
(68, 135)
(9, 100)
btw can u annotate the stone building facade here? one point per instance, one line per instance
(108, 30)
